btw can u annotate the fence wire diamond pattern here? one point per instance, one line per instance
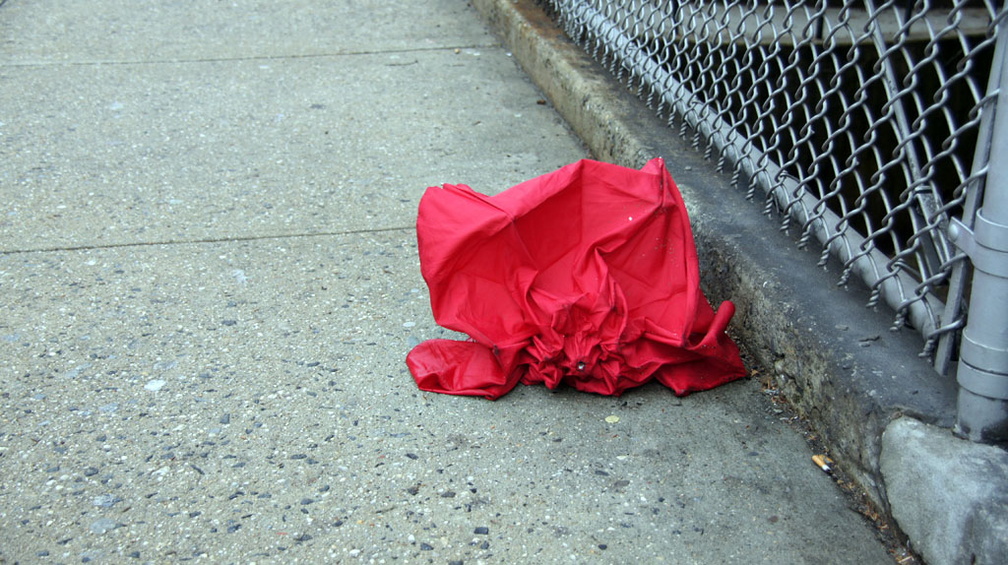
(860, 124)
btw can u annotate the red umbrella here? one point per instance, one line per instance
(586, 276)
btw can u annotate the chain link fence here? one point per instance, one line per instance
(862, 126)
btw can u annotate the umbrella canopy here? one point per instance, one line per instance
(587, 276)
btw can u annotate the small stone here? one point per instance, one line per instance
(612, 419)
(155, 385)
(102, 525)
(603, 546)
(76, 371)
(106, 500)
(413, 456)
(426, 547)
(225, 419)
(482, 530)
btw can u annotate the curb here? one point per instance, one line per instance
(838, 363)
(960, 521)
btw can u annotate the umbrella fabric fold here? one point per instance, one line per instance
(587, 276)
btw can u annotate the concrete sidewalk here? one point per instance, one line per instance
(209, 282)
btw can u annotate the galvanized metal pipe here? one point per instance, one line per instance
(983, 355)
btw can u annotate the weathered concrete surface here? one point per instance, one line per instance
(949, 495)
(839, 363)
(209, 283)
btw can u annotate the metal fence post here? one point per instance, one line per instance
(983, 354)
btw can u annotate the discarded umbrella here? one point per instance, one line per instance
(587, 276)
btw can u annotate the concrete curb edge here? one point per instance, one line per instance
(841, 383)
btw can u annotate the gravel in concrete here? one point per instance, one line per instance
(209, 281)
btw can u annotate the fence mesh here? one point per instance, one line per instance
(859, 124)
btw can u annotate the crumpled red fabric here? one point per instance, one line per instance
(586, 276)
